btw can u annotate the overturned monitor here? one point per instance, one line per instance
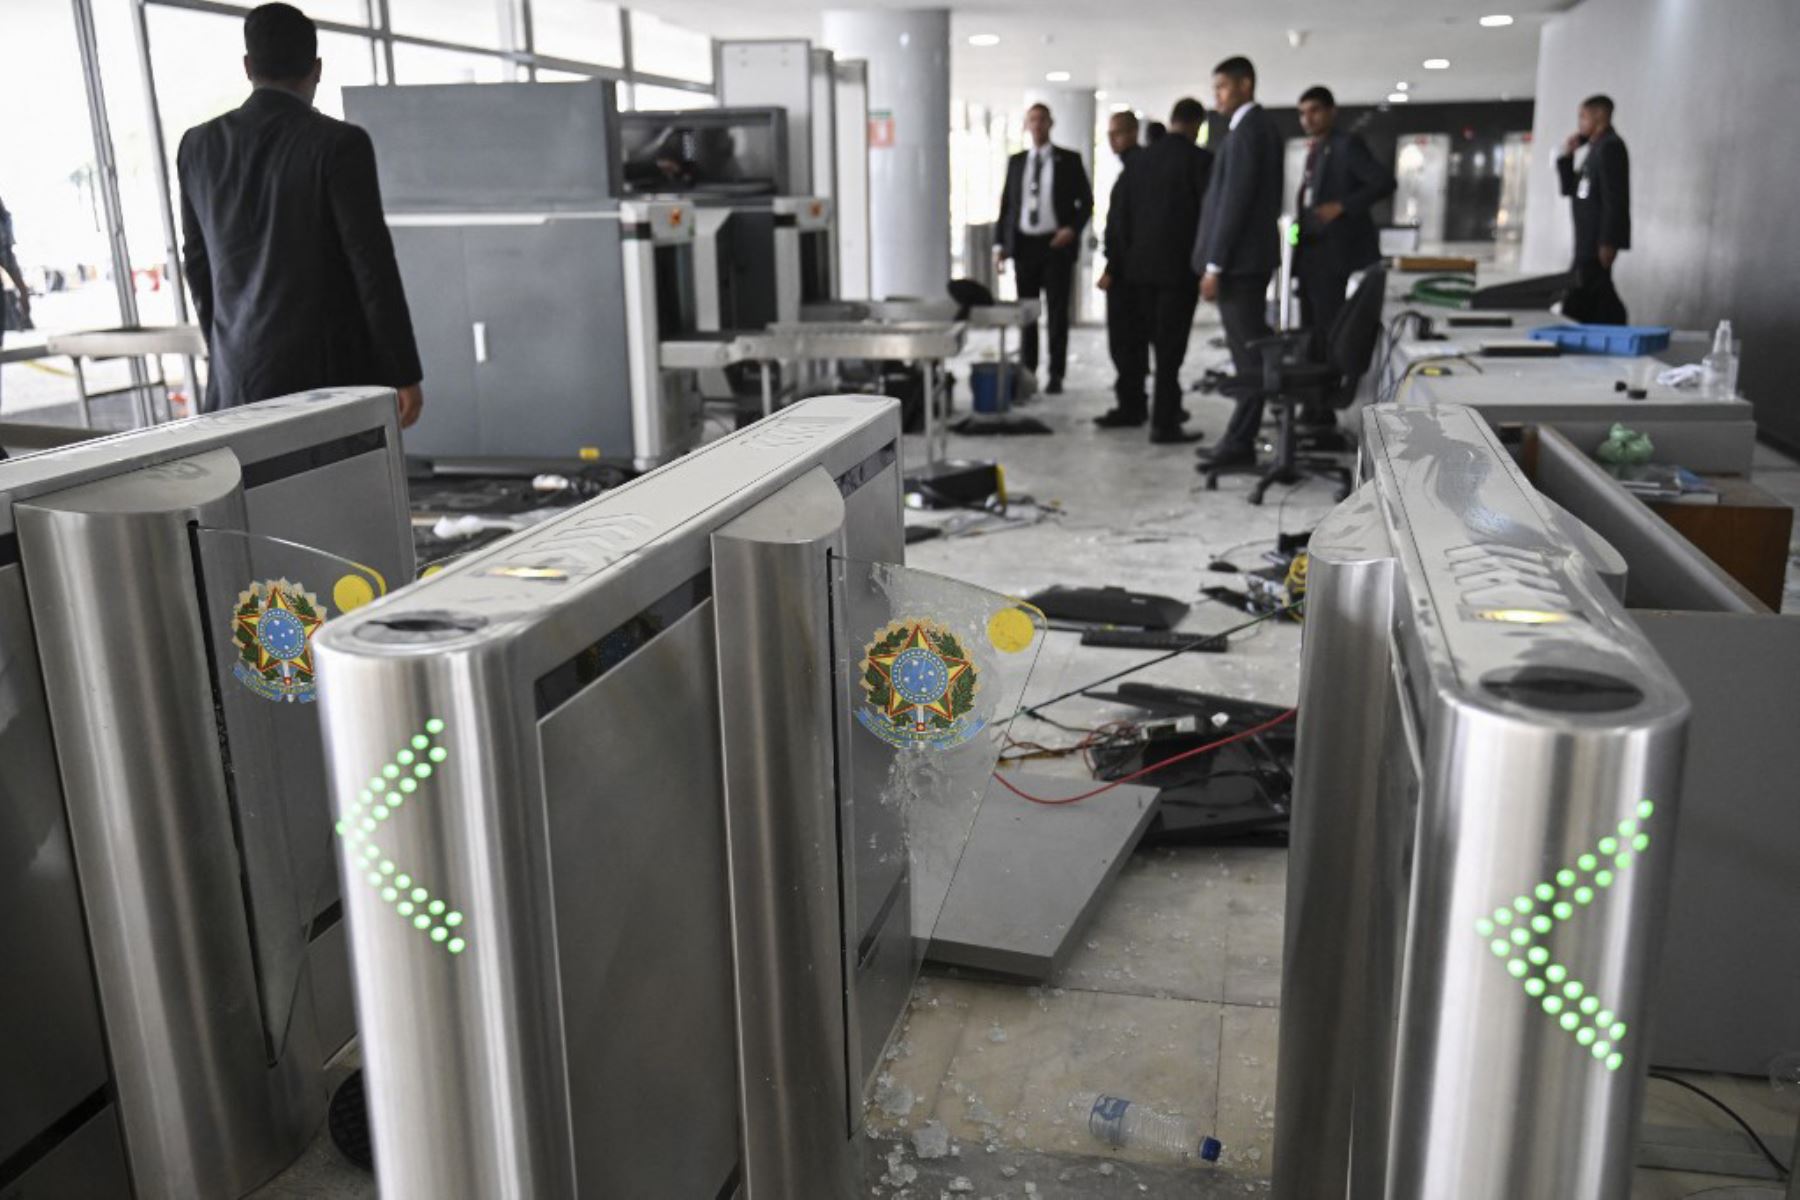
(649, 814)
(1485, 799)
(179, 970)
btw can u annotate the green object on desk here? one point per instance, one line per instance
(1625, 447)
(1445, 291)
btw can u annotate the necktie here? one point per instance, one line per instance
(1306, 180)
(1033, 195)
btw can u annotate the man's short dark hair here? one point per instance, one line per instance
(1038, 105)
(1601, 101)
(1318, 93)
(1187, 111)
(1125, 117)
(1155, 130)
(1237, 67)
(282, 42)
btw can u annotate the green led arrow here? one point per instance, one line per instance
(386, 793)
(1515, 933)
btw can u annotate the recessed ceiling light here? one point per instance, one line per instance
(1496, 21)
(984, 39)
(1436, 64)
(1100, 93)
(1398, 98)
(1057, 77)
(1403, 86)
(1121, 108)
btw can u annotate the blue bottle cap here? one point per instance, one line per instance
(1209, 1149)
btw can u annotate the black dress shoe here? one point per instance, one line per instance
(1053, 388)
(1118, 419)
(1225, 456)
(1174, 437)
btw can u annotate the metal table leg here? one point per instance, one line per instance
(768, 395)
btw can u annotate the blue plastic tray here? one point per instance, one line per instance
(1605, 339)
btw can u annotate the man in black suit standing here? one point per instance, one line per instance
(1341, 182)
(1240, 245)
(287, 253)
(1125, 336)
(1156, 212)
(1044, 208)
(1601, 197)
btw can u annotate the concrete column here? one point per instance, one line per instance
(1073, 110)
(908, 52)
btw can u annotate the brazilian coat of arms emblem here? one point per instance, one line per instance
(919, 687)
(272, 627)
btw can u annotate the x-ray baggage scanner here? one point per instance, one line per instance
(1483, 832)
(622, 800)
(178, 972)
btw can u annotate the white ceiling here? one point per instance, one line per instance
(1149, 52)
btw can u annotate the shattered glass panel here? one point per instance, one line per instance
(931, 672)
(265, 599)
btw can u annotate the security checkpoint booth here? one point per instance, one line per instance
(1485, 800)
(648, 813)
(180, 972)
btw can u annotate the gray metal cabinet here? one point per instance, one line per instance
(497, 305)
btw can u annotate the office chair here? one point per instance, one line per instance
(1289, 380)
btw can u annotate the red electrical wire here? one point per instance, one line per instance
(1167, 762)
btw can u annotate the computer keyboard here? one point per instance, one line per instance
(1154, 639)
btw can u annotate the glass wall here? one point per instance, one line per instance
(53, 189)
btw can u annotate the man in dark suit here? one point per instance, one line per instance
(1157, 214)
(1125, 336)
(1044, 208)
(1239, 245)
(1341, 181)
(1601, 197)
(287, 254)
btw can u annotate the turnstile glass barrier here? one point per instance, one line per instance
(157, 600)
(265, 600)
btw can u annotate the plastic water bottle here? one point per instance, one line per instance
(1722, 364)
(1118, 1122)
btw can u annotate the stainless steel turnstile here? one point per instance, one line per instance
(178, 974)
(615, 931)
(1485, 801)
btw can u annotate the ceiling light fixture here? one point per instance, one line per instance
(1403, 86)
(1496, 21)
(1099, 93)
(1436, 64)
(1057, 77)
(1398, 98)
(1121, 108)
(984, 39)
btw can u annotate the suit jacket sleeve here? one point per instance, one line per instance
(1230, 197)
(1009, 201)
(1614, 178)
(1370, 182)
(196, 265)
(1116, 243)
(1565, 170)
(355, 199)
(1084, 193)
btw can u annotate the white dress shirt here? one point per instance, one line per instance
(1042, 221)
(1236, 116)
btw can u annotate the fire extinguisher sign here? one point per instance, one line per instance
(881, 129)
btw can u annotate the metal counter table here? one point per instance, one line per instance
(928, 343)
(152, 343)
(730, 349)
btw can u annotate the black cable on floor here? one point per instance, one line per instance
(1781, 1170)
